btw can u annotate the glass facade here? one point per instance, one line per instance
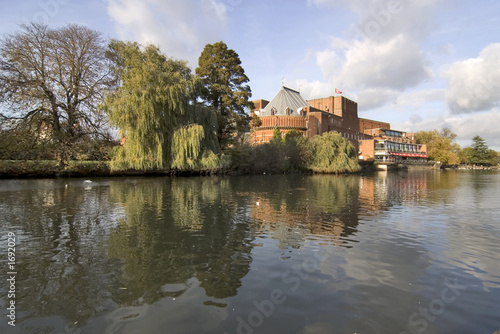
(392, 133)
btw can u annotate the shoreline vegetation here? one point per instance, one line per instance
(329, 153)
(289, 154)
(10, 169)
(13, 169)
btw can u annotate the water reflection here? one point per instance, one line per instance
(195, 254)
(295, 208)
(177, 229)
(60, 256)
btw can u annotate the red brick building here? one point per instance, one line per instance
(288, 110)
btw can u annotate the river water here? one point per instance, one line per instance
(408, 252)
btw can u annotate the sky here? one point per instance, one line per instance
(417, 64)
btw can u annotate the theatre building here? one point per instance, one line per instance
(288, 110)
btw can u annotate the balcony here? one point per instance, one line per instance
(398, 148)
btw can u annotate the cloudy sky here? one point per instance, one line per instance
(417, 64)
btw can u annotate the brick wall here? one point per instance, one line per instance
(368, 124)
(367, 149)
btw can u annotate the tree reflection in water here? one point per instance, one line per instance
(177, 229)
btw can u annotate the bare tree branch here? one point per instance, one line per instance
(58, 75)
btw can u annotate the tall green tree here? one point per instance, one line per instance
(54, 79)
(225, 88)
(440, 145)
(480, 154)
(156, 110)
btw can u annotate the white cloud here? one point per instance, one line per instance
(359, 6)
(396, 63)
(329, 62)
(314, 89)
(384, 57)
(372, 98)
(416, 99)
(485, 125)
(180, 28)
(474, 84)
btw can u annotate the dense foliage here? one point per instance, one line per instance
(190, 152)
(155, 107)
(328, 153)
(333, 153)
(479, 153)
(225, 88)
(440, 146)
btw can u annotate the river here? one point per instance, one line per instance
(402, 252)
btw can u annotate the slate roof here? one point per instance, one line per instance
(286, 98)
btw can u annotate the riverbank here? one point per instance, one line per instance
(10, 169)
(52, 168)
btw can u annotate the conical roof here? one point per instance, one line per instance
(286, 98)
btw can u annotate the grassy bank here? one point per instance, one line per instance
(51, 168)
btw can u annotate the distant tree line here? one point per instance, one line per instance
(69, 94)
(441, 147)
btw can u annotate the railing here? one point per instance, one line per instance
(386, 148)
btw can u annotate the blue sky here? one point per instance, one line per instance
(417, 64)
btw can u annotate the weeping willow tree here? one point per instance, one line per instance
(192, 151)
(156, 110)
(332, 153)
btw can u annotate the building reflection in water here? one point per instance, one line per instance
(297, 208)
(383, 191)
